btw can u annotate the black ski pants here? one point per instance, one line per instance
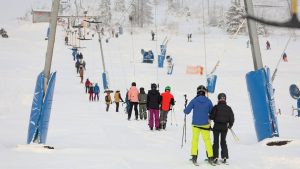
(224, 149)
(117, 106)
(131, 105)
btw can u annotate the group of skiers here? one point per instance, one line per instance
(157, 104)
(92, 90)
(80, 65)
(203, 113)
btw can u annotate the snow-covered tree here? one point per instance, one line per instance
(141, 13)
(146, 13)
(120, 5)
(105, 12)
(234, 18)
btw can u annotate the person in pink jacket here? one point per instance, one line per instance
(133, 97)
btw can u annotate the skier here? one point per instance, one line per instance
(223, 118)
(96, 92)
(91, 92)
(117, 99)
(82, 63)
(170, 64)
(268, 45)
(80, 56)
(201, 106)
(66, 40)
(143, 104)
(167, 100)
(248, 43)
(152, 35)
(284, 57)
(189, 35)
(133, 97)
(87, 85)
(81, 72)
(77, 65)
(108, 100)
(153, 101)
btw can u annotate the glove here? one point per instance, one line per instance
(229, 127)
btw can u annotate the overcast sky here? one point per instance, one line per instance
(11, 9)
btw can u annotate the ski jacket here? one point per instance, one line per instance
(142, 98)
(87, 83)
(153, 99)
(108, 99)
(96, 89)
(91, 89)
(201, 106)
(118, 97)
(167, 99)
(222, 115)
(133, 94)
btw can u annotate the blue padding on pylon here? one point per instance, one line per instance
(298, 106)
(211, 83)
(46, 110)
(36, 108)
(104, 79)
(261, 95)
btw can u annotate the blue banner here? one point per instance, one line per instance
(211, 83)
(261, 95)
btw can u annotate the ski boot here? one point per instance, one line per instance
(211, 161)
(194, 160)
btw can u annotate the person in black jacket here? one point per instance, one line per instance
(153, 101)
(223, 118)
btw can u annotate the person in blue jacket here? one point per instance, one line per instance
(201, 106)
(96, 92)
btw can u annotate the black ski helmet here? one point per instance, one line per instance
(133, 84)
(153, 86)
(222, 96)
(201, 90)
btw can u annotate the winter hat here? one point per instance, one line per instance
(168, 88)
(142, 90)
(133, 84)
(201, 90)
(222, 97)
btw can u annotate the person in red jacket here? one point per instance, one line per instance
(167, 100)
(87, 85)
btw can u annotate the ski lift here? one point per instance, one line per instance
(293, 22)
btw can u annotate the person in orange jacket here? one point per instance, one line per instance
(167, 101)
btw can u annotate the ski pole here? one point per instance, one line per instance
(174, 116)
(184, 123)
(234, 135)
(183, 131)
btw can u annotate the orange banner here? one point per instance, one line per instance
(194, 70)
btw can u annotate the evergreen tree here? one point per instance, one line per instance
(141, 13)
(120, 5)
(146, 12)
(105, 12)
(234, 18)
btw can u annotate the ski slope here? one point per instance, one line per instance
(85, 136)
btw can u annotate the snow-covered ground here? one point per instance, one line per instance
(85, 136)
